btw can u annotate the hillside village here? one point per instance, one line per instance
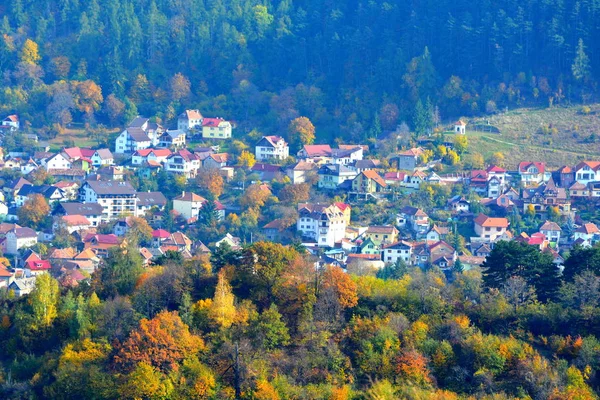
(203, 188)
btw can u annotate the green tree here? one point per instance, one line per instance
(121, 271)
(513, 258)
(269, 331)
(581, 63)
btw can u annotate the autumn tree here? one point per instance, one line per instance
(44, 301)
(146, 382)
(211, 180)
(88, 97)
(60, 67)
(255, 196)
(246, 159)
(162, 342)
(179, 87)
(222, 310)
(139, 230)
(33, 211)
(300, 132)
(293, 194)
(460, 143)
(30, 53)
(335, 279)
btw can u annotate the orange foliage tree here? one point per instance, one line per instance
(345, 288)
(211, 180)
(163, 342)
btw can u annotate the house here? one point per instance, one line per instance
(11, 123)
(564, 176)
(216, 128)
(132, 139)
(415, 180)
(458, 204)
(217, 160)
(6, 277)
(117, 198)
(545, 196)
(326, 224)
(415, 219)
(586, 234)
(58, 161)
(436, 234)
(189, 119)
(369, 182)
(532, 173)
(370, 246)
(140, 134)
(70, 189)
(150, 156)
(266, 172)
(460, 127)
(13, 187)
(19, 238)
(364, 165)
(579, 190)
(22, 286)
(274, 229)
(346, 210)
(333, 175)
(183, 162)
(381, 234)
(395, 178)
(587, 171)
(442, 255)
(102, 157)
(73, 223)
(188, 205)
(234, 242)
(407, 160)
(271, 147)
(482, 250)
(316, 153)
(300, 172)
(148, 201)
(91, 211)
(35, 268)
(347, 156)
(490, 229)
(101, 244)
(401, 250)
(172, 139)
(50, 193)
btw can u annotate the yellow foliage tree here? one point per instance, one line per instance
(246, 159)
(30, 53)
(44, 300)
(265, 391)
(301, 131)
(222, 310)
(146, 382)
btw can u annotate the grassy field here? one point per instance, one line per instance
(79, 137)
(567, 140)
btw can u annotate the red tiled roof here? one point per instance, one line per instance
(371, 174)
(485, 221)
(76, 220)
(160, 233)
(594, 165)
(588, 229)
(212, 121)
(317, 150)
(42, 265)
(524, 165)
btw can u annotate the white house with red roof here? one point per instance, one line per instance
(551, 230)
(149, 156)
(11, 122)
(587, 171)
(460, 127)
(189, 119)
(316, 153)
(271, 147)
(490, 229)
(37, 267)
(533, 173)
(183, 162)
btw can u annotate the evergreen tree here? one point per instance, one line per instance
(581, 64)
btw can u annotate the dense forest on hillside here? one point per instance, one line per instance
(355, 67)
(263, 324)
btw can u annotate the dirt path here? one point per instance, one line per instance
(577, 153)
